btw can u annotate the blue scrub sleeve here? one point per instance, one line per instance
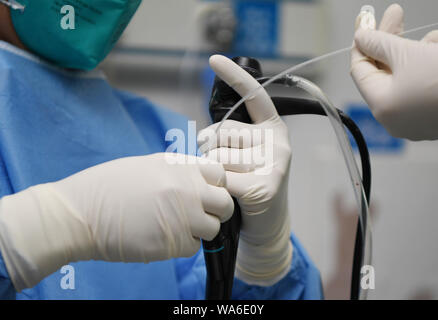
(303, 282)
(7, 291)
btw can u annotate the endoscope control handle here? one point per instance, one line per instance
(220, 253)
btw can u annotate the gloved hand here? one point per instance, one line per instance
(257, 175)
(398, 77)
(137, 209)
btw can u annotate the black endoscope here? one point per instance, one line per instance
(220, 253)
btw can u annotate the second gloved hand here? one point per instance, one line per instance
(137, 209)
(257, 159)
(398, 77)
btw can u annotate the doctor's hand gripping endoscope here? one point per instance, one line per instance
(220, 253)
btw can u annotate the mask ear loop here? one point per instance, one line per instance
(13, 4)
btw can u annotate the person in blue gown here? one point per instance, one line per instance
(91, 207)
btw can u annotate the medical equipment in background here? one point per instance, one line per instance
(220, 26)
(220, 253)
(268, 30)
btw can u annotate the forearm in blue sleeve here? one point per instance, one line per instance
(7, 291)
(302, 282)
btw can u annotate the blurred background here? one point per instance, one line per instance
(163, 56)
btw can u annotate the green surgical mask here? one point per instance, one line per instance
(76, 34)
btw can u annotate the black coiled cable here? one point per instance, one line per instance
(294, 106)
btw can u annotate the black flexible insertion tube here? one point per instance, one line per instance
(294, 106)
(220, 253)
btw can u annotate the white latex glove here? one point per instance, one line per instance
(398, 77)
(265, 250)
(137, 209)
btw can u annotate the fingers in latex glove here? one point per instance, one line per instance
(260, 107)
(257, 161)
(431, 37)
(393, 20)
(397, 77)
(240, 140)
(183, 200)
(137, 209)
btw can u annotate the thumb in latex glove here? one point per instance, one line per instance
(257, 161)
(137, 209)
(398, 77)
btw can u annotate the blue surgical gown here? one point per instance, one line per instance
(54, 123)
